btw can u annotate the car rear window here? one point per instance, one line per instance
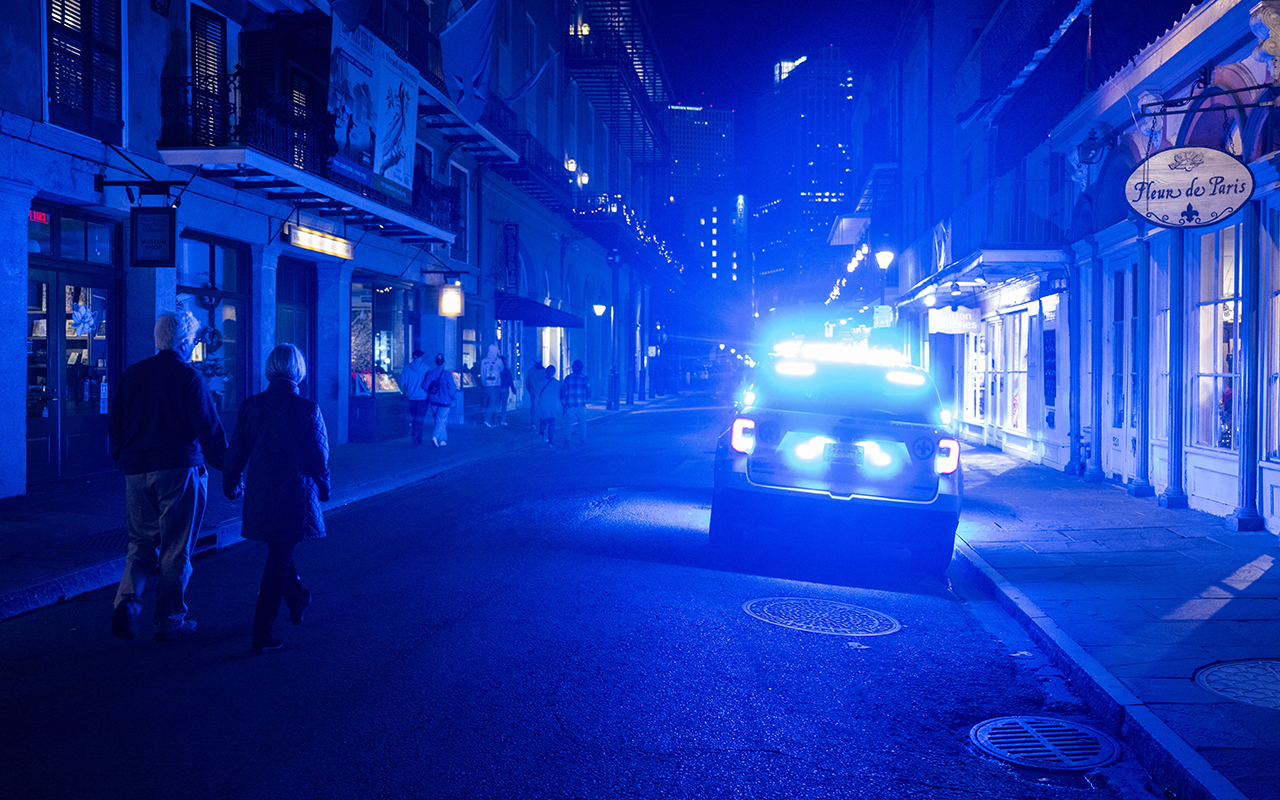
(848, 390)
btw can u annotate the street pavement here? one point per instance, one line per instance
(1129, 599)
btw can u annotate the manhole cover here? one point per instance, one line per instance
(1253, 681)
(821, 616)
(1045, 743)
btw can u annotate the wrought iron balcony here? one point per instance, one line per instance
(617, 226)
(538, 172)
(1007, 214)
(232, 112)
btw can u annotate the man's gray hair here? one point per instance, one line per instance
(175, 327)
(286, 362)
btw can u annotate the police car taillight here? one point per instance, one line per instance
(947, 460)
(743, 437)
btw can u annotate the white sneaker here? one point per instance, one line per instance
(435, 441)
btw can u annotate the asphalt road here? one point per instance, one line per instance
(545, 624)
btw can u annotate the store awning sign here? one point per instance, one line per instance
(1189, 187)
(958, 320)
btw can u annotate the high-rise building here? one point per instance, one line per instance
(712, 219)
(803, 173)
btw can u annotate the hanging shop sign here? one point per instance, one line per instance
(153, 237)
(1189, 187)
(511, 255)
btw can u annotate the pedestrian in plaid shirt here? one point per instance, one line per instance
(574, 391)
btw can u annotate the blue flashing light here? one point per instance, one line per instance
(905, 378)
(795, 368)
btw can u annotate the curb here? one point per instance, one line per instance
(1182, 772)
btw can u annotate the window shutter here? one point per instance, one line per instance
(210, 94)
(85, 91)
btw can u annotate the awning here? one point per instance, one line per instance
(530, 312)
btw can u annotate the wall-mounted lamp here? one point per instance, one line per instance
(1091, 150)
(955, 289)
(583, 178)
(451, 300)
(599, 308)
(1058, 281)
(571, 164)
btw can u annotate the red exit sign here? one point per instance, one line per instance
(38, 216)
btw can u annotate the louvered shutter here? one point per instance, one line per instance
(210, 91)
(85, 93)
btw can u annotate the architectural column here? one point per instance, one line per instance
(331, 365)
(1248, 390)
(1097, 288)
(630, 320)
(1174, 496)
(615, 338)
(644, 342)
(15, 337)
(262, 338)
(1141, 486)
(1074, 328)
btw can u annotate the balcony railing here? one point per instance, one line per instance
(234, 111)
(1007, 214)
(631, 230)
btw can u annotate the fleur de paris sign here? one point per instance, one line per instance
(1189, 187)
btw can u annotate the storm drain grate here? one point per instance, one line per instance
(1045, 743)
(1253, 681)
(821, 616)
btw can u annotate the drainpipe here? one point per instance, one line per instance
(1246, 517)
(1094, 473)
(1174, 496)
(1141, 486)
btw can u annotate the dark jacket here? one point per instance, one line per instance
(281, 446)
(162, 417)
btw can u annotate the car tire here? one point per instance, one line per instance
(933, 555)
(724, 532)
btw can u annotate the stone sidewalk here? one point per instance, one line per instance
(1133, 600)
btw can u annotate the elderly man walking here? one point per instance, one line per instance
(163, 428)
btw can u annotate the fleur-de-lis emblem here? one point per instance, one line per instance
(1190, 215)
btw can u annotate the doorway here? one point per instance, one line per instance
(72, 344)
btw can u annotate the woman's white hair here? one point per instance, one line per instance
(286, 362)
(175, 327)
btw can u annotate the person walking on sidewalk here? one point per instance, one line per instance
(508, 389)
(574, 391)
(533, 381)
(281, 448)
(413, 385)
(550, 407)
(163, 427)
(495, 395)
(441, 390)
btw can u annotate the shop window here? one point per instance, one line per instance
(1215, 338)
(975, 372)
(209, 286)
(1160, 340)
(1017, 328)
(1272, 346)
(1117, 349)
(381, 336)
(84, 67)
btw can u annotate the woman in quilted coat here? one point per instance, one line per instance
(281, 448)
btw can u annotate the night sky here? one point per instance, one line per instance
(721, 52)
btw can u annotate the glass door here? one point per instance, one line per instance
(70, 363)
(42, 383)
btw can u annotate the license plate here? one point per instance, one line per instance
(838, 452)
